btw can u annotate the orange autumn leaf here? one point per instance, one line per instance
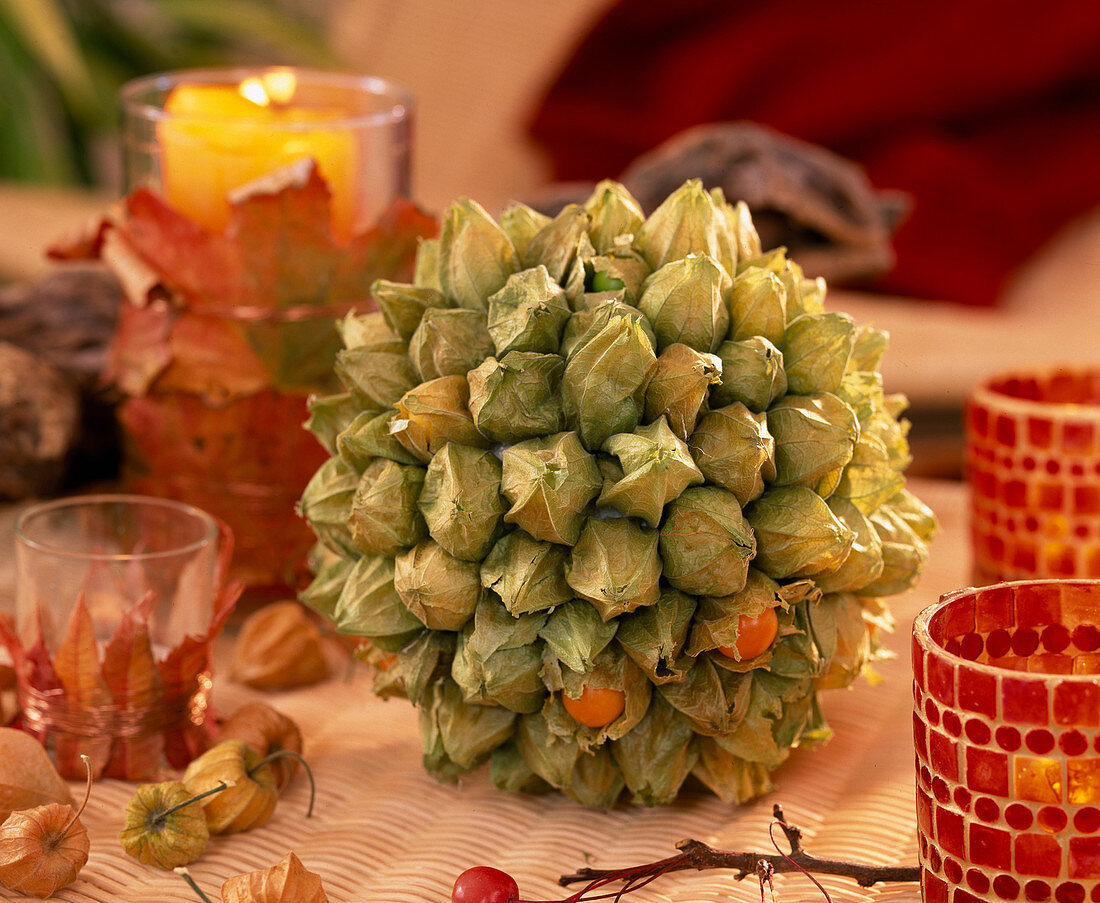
(287, 882)
(283, 240)
(76, 663)
(193, 265)
(388, 247)
(212, 357)
(222, 316)
(130, 671)
(181, 670)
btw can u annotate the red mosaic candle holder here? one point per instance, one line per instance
(1006, 726)
(1033, 464)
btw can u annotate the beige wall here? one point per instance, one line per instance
(477, 67)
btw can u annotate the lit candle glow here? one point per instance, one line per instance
(216, 138)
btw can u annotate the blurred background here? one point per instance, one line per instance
(937, 162)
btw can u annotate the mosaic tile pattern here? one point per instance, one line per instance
(1006, 723)
(1033, 464)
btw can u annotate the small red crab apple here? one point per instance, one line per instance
(485, 884)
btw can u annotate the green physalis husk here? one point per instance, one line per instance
(572, 457)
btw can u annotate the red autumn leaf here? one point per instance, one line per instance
(282, 235)
(76, 663)
(196, 267)
(181, 668)
(11, 643)
(258, 441)
(130, 672)
(211, 357)
(139, 351)
(388, 248)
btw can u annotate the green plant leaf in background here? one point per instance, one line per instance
(62, 63)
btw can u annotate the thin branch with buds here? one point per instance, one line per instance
(694, 854)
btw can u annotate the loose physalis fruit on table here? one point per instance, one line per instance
(164, 824)
(266, 730)
(43, 849)
(287, 882)
(624, 453)
(27, 776)
(279, 648)
(252, 790)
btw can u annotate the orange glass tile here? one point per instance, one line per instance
(1037, 779)
(1083, 780)
(1086, 500)
(1040, 432)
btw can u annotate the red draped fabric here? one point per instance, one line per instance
(986, 111)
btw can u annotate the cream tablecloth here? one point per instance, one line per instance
(383, 830)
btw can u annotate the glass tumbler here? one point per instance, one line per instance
(118, 601)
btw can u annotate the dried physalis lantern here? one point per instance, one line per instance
(287, 882)
(279, 647)
(165, 825)
(252, 796)
(27, 776)
(43, 849)
(266, 731)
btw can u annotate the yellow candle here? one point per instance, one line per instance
(216, 138)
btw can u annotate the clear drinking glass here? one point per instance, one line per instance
(118, 601)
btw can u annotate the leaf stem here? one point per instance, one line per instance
(186, 876)
(222, 785)
(87, 793)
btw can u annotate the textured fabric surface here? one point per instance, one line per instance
(384, 831)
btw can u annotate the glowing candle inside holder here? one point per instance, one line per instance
(199, 136)
(250, 336)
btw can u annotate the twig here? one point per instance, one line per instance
(694, 854)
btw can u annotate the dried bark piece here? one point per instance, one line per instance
(819, 205)
(39, 421)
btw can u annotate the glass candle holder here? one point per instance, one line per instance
(118, 601)
(1007, 735)
(197, 136)
(1033, 465)
(217, 377)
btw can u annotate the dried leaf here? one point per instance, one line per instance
(187, 666)
(130, 672)
(76, 663)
